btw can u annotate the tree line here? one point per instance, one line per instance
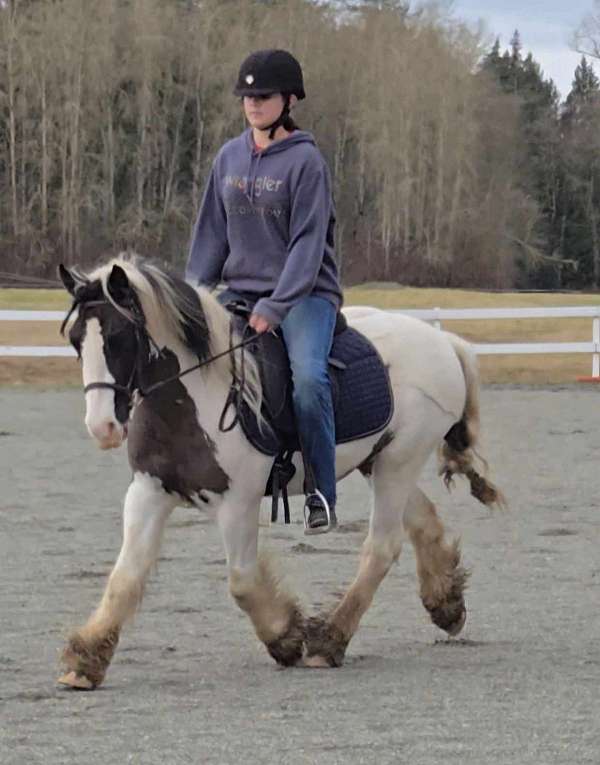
(452, 166)
(560, 154)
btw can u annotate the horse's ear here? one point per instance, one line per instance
(118, 286)
(67, 278)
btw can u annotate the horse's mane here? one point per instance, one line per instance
(186, 315)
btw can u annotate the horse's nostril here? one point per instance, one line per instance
(106, 431)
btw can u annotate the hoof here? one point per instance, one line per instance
(324, 643)
(287, 649)
(76, 682)
(450, 617)
(456, 628)
(450, 614)
(316, 662)
(87, 660)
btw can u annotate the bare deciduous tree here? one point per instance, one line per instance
(111, 114)
(586, 38)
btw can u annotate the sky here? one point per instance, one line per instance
(544, 25)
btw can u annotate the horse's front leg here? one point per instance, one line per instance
(255, 585)
(90, 648)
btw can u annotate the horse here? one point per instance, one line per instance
(157, 356)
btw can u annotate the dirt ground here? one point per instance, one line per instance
(190, 682)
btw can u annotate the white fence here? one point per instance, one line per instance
(437, 315)
(433, 315)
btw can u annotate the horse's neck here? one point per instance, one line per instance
(155, 367)
(205, 386)
(209, 386)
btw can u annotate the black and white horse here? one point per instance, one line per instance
(136, 330)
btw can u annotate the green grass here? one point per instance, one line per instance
(424, 297)
(33, 300)
(392, 296)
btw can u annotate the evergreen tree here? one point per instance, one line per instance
(515, 48)
(540, 146)
(584, 90)
(580, 199)
(493, 57)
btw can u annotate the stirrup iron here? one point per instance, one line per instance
(318, 529)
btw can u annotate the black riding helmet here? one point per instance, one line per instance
(271, 71)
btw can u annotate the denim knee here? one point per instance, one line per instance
(311, 385)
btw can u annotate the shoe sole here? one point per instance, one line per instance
(319, 530)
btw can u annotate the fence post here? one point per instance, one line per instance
(596, 341)
(437, 321)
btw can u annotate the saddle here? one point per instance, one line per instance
(361, 391)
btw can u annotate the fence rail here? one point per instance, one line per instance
(434, 315)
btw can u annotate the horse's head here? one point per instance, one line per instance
(105, 336)
(138, 327)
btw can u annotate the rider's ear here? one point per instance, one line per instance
(70, 281)
(118, 287)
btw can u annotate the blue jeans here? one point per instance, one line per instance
(308, 334)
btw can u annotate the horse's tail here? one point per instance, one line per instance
(458, 454)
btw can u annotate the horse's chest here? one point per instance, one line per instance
(166, 441)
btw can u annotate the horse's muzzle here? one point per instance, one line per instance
(108, 434)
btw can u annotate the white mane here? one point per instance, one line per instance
(167, 310)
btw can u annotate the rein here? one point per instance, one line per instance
(235, 395)
(204, 363)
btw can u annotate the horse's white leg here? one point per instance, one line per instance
(394, 477)
(442, 579)
(392, 484)
(90, 649)
(253, 582)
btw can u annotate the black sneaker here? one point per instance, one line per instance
(319, 518)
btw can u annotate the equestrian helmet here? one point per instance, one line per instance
(270, 71)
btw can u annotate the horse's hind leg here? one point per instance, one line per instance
(90, 649)
(393, 482)
(442, 579)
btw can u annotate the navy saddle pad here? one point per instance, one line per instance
(361, 389)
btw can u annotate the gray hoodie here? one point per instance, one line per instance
(266, 224)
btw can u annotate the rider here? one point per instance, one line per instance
(266, 229)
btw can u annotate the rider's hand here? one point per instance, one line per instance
(259, 324)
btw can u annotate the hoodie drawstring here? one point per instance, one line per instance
(251, 177)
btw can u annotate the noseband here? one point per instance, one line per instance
(128, 389)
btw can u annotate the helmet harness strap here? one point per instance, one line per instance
(272, 128)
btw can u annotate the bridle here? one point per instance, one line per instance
(132, 390)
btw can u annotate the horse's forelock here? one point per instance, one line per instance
(86, 291)
(168, 303)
